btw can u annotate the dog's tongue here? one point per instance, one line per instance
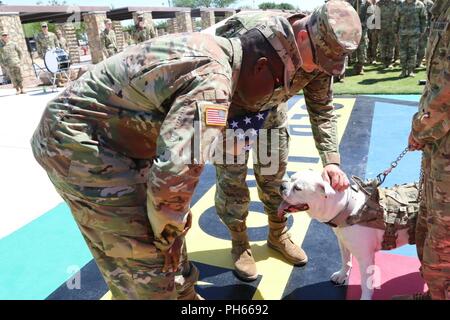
(287, 207)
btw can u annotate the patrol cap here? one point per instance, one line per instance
(107, 21)
(140, 15)
(278, 32)
(335, 32)
(4, 33)
(44, 24)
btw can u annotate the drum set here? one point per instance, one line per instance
(57, 62)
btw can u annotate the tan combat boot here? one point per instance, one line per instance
(190, 294)
(22, 91)
(415, 296)
(244, 263)
(279, 239)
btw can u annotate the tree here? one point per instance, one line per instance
(203, 3)
(273, 5)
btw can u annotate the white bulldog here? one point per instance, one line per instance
(308, 191)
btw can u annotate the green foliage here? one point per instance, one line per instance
(273, 5)
(203, 3)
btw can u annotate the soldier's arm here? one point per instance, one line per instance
(38, 46)
(174, 174)
(318, 98)
(19, 52)
(396, 19)
(432, 122)
(103, 43)
(423, 19)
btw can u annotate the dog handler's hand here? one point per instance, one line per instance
(173, 255)
(413, 144)
(335, 177)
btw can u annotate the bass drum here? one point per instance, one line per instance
(56, 60)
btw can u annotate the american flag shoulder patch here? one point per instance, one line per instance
(216, 115)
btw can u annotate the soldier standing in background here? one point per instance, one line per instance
(387, 31)
(62, 42)
(430, 133)
(142, 32)
(45, 40)
(361, 53)
(373, 30)
(10, 59)
(411, 21)
(424, 38)
(108, 39)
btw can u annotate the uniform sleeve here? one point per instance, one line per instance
(103, 42)
(19, 52)
(432, 122)
(39, 46)
(318, 98)
(194, 123)
(397, 20)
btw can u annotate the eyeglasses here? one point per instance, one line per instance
(44, 27)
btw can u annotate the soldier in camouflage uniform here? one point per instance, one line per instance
(315, 78)
(142, 32)
(424, 38)
(387, 31)
(10, 59)
(373, 30)
(411, 20)
(430, 132)
(116, 144)
(361, 53)
(62, 42)
(108, 40)
(45, 40)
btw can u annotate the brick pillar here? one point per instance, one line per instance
(172, 26)
(69, 33)
(10, 22)
(207, 18)
(148, 20)
(94, 26)
(118, 29)
(184, 22)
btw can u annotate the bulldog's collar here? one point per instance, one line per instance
(340, 220)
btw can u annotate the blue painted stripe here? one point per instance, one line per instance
(37, 258)
(401, 97)
(390, 129)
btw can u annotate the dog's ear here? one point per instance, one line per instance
(325, 189)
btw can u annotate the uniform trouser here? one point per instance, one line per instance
(361, 51)
(408, 51)
(433, 225)
(232, 194)
(115, 226)
(373, 36)
(422, 47)
(15, 74)
(387, 38)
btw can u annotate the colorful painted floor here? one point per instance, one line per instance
(43, 256)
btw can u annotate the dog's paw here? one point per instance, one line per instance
(340, 278)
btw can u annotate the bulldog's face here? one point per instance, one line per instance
(304, 189)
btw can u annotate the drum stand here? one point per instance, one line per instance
(55, 76)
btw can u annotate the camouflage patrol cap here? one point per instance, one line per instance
(44, 24)
(107, 21)
(335, 32)
(278, 32)
(4, 33)
(140, 15)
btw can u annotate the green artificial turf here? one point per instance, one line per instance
(377, 80)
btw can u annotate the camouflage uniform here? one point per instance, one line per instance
(10, 58)
(232, 196)
(387, 31)
(46, 42)
(109, 43)
(424, 38)
(373, 31)
(411, 20)
(116, 146)
(62, 43)
(430, 126)
(361, 53)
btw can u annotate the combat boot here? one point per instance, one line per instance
(243, 261)
(414, 296)
(358, 69)
(403, 74)
(17, 90)
(411, 73)
(190, 294)
(22, 91)
(279, 239)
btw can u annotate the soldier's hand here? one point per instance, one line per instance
(173, 255)
(335, 177)
(413, 144)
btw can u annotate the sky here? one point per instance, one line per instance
(302, 4)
